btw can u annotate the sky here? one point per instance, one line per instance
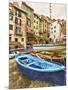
(58, 10)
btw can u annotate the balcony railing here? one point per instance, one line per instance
(19, 33)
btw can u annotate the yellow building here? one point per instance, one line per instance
(45, 23)
(41, 24)
(37, 25)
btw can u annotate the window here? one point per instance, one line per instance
(20, 22)
(16, 20)
(28, 22)
(54, 30)
(18, 30)
(54, 26)
(19, 14)
(11, 11)
(10, 27)
(16, 12)
(34, 20)
(9, 38)
(10, 17)
(34, 26)
(45, 30)
(16, 39)
(22, 39)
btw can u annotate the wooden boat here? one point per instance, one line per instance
(52, 56)
(40, 69)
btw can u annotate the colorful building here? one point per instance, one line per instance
(37, 24)
(24, 24)
(30, 19)
(17, 24)
(55, 31)
(20, 23)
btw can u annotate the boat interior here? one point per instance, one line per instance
(36, 63)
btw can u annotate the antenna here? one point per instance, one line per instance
(50, 9)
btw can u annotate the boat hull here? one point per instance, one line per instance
(57, 77)
(49, 47)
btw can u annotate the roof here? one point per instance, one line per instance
(46, 18)
(55, 21)
(15, 6)
(37, 15)
(27, 6)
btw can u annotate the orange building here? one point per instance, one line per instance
(17, 24)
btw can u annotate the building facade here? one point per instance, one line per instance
(55, 31)
(21, 23)
(30, 19)
(63, 31)
(17, 24)
(37, 24)
(24, 24)
(30, 14)
(41, 24)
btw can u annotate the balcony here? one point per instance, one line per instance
(19, 33)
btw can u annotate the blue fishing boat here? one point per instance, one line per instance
(40, 69)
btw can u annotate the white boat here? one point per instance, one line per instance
(12, 54)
